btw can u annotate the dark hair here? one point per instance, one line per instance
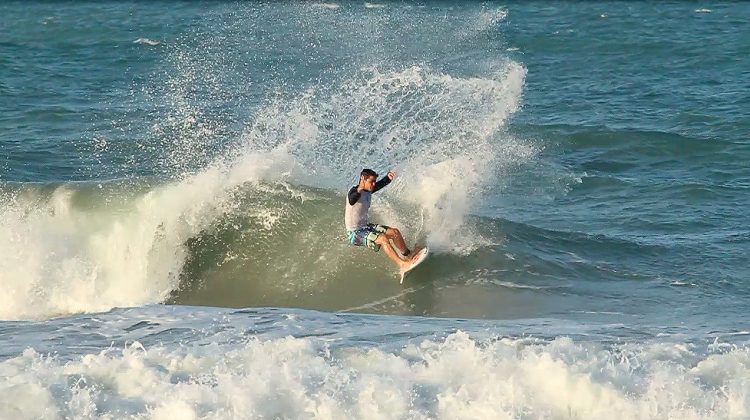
(368, 172)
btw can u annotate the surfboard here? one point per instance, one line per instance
(421, 256)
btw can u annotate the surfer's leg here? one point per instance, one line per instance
(398, 240)
(383, 241)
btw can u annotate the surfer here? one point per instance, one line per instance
(362, 233)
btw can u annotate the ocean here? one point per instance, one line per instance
(172, 184)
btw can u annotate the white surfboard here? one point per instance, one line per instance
(421, 256)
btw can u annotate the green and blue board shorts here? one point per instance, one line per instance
(366, 236)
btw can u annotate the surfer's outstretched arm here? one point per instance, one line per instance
(384, 181)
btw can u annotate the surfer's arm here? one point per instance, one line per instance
(382, 183)
(353, 195)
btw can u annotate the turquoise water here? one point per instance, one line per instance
(579, 170)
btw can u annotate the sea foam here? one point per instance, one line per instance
(458, 377)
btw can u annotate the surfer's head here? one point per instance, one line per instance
(367, 179)
(368, 172)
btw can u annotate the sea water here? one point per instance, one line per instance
(172, 180)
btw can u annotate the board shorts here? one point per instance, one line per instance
(366, 236)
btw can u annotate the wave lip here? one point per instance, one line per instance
(87, 249)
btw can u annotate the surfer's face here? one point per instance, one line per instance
(368, 183)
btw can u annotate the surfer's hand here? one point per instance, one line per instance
(391, 175)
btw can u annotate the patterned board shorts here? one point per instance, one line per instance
(366, 235)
